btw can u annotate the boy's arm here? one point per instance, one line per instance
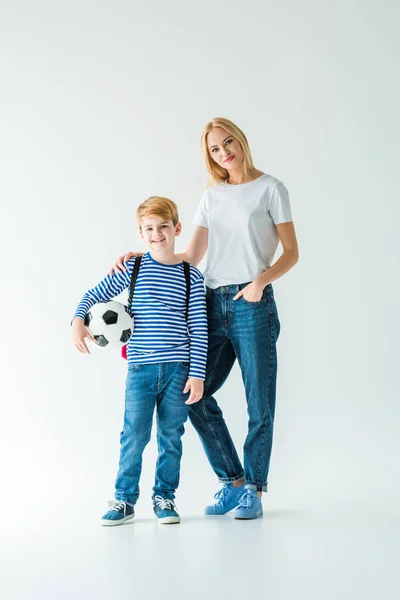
(197, 327)
(104, 291)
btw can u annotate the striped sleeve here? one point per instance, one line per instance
(104, 291)
(197, 327)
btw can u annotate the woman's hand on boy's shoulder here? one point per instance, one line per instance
(196, 388)
(119, 266)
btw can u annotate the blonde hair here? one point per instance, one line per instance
(157, 206)
(216, 173)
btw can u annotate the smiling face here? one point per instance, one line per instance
(224, 149)
(159, 235)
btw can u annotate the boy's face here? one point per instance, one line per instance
(159, 235)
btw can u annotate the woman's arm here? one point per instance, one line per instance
(290, 256)
(197, 246)
(287, 260)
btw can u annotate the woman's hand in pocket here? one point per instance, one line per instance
(252, 292)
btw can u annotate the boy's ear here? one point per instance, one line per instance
(178, 228)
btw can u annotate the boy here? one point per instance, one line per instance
(166, 358)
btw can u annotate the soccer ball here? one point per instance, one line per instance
(110, 324)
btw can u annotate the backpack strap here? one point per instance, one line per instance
(135, 272)
(186, 269)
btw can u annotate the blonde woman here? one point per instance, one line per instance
(242, 216)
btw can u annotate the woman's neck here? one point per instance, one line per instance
(236, 177)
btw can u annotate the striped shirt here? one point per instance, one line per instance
(161, 331)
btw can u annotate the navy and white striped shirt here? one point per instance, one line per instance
(161, 332)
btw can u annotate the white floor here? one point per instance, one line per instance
(325, 552)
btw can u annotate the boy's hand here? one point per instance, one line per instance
(196, 387)
(119, 266)
(79, 333)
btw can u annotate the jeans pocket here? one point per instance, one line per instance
(267, 296)
(253, 303)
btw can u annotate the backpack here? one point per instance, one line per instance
(135, 272)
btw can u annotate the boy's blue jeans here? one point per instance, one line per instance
(247, 331)
(148, 386)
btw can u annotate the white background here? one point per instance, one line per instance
(103, 105)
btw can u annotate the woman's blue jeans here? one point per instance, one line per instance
(150, 386)
(247, 331)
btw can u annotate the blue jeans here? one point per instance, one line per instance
(247, 331)
(148, 386)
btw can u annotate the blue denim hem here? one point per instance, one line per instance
(230, 479)
(257, 487)
(121, 498)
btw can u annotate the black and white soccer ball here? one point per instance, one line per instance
(110, 324)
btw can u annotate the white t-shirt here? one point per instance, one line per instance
(241, 219)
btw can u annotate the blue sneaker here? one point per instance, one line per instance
(250, 506)
(227, 498)
(165, 510)
(118, 513)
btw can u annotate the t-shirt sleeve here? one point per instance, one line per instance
(201, 215)
(279, 205)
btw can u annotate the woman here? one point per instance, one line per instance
(241, 218)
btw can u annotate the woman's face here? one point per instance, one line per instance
(224, 149)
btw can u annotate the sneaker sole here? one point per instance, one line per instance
(169, 520)
(249, 518)
(208, 513)
(110, 523)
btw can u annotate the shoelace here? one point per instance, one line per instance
(164, 503)
(246, 501)
(220, 495)
(116, 505)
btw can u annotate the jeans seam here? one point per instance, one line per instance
(261, 454)
(207, 419)
(273, 343)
